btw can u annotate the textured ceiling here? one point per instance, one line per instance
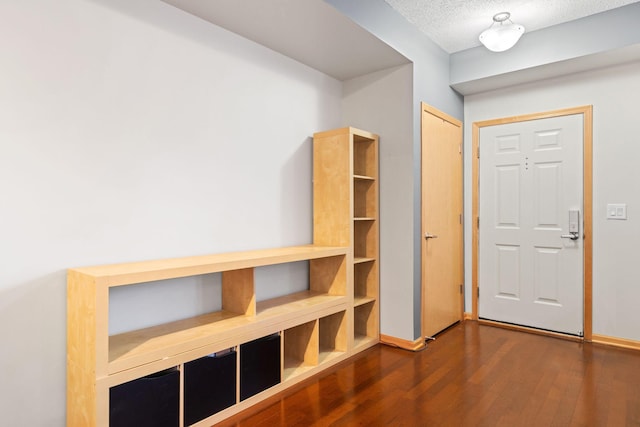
(456, 24)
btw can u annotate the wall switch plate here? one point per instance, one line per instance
(617, 211)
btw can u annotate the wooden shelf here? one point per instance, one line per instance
(326, 356)
(361, 341)
(132, 349)
(345, 188)
(360, 300)
(294, 368)
(294, 303)
(97, 361)
(149, 271)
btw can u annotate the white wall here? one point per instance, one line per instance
(614, 94)
(381, 102)
(130, 131)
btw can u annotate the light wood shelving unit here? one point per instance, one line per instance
(336, 317)
(311, 324)
(345, 183)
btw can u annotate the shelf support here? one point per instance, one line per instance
(238, 294)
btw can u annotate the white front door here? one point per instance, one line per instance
(530, 231)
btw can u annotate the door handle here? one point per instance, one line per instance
(574, 225)
(572, 235)
(428, 235)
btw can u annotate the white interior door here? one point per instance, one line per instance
(530, 233)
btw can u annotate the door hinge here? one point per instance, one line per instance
(478, 152)
(478, 291)
(478, 222)
(461, 288)
(460, 219)
(460, 149)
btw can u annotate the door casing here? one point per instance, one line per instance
(587, 112)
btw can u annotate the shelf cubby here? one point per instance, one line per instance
(153, 400)
(365, 156)
(365, 242)
(300, 349)
(365, 324)
(328, 275)
(210, 385)
(365, 282)
(333, 336)
(260, 365)
(364, 198)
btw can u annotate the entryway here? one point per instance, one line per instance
(532, 208)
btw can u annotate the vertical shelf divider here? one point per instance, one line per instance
(238, 293)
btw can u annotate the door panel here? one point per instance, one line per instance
(442, 263)
(530, 178)
(508, 196)
(546, 284)
(508, 258)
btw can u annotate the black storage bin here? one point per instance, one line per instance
(152, 401)
(259, 365)
(209, 386)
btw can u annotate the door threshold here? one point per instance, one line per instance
(530, 330)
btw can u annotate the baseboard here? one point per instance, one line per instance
(401, 343)
(467, 316)
(617, 342)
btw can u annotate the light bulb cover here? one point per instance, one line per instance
(501, 36)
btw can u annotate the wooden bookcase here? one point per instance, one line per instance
(345, 200)
(336, 317)
(312, 325)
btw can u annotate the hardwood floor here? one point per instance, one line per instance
(471, 375)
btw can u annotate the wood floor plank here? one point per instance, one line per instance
(471, 375)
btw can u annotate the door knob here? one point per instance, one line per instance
(427, 235)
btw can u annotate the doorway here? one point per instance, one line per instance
(532, 209)
(442, 221)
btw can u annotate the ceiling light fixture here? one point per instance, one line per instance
(501, 36)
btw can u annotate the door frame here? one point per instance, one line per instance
(587, 186)
(425, 108)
